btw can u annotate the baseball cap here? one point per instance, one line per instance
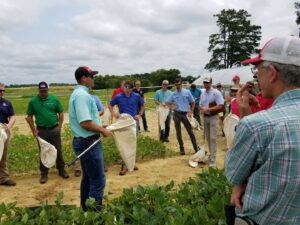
(128, 85)
(236, 77)
(43, 86)
(219, 85)
(207, 79)
(84, 71)
(285, 50)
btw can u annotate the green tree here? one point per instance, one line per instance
(237, 39)
(297, 6)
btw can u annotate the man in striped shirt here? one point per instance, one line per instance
(264, 162)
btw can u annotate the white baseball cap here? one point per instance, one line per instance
(207, 79)
(285, 50)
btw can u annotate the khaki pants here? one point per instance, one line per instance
(4, 174)
(210, 131)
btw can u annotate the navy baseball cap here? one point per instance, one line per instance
(84, 71)
(43, 86)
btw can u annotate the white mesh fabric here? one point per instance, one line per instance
(229, 128)
(124, 133)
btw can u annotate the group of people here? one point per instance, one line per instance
(263, 165)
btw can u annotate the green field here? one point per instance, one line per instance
(20, 97)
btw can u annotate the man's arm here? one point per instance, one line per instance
(60, 119)
(30, 122)
(92, 126)
(11, 121)
(190, 113)
(111, 109)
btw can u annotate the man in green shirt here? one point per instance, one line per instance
(49, 117)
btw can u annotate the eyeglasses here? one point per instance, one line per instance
(2, 90)
(205, 82)
(177, 84)
(165, 84)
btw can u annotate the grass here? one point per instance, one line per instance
(23, 154)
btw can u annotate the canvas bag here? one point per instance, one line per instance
(124, 133)
(194, 123)
(3, 139)
(230, 123)
(48, 153)
(106, 117)
(163, 113)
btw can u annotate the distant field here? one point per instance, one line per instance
(20, 97)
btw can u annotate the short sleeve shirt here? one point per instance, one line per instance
(130, 105)
(162, 96)
(181, 99)
(98, 103)
(212, 95)
(6, 110)
(196, 94)
(82, 107)
(45, 110)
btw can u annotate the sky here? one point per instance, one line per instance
(47, 40)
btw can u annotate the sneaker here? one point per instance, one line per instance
(147, 130)
(166, 140)
(63, 174)
(9, 183)
(135, 168)
(77, 173)
(182, 153)
(44, 178)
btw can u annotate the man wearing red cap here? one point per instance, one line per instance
(236, 81)
(264, 162)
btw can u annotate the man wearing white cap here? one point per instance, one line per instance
(264, 162)
(211, 104)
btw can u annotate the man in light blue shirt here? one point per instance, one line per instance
(160, 98)
(211, 103)
(86, 125)
(183, 104)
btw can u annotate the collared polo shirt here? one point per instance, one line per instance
(6, 110)
(82, 107)
(182, 100)
(266, 156)
(210, 96)
(162, 96)
(45, 110)
(130, 105)
(196, 94)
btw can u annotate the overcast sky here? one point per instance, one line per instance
(48, 40)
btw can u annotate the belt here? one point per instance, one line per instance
(205, 115)
(180, 112)
(47, 128)
(96, 136)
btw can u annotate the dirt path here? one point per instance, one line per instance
(29, 192)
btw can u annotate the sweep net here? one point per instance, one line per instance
(124, 133)
(229, 128)
(3, 138)
(48, 153)
(163, 113)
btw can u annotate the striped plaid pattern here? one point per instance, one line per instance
(266, 156)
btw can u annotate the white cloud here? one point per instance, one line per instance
(119, 37)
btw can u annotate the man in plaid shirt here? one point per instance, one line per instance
(264, 162)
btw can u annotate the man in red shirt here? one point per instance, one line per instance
(118, 90)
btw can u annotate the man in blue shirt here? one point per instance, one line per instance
(128, 102)
(196, 92)
(264, 161)
(211, 103)
(160, 98)
(183, 104)
(86, 126)
(7, 120)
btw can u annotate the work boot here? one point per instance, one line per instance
(63, 174)
(44, 178)
(77, 173)
(9, 183)
(124, 170)
(181, 151)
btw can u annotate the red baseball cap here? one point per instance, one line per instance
(285, 50)
(236, 77)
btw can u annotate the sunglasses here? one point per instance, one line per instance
(206, 82)
(177, 84)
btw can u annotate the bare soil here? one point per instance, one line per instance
(29, 192)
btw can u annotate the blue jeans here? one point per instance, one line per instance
(93, 177)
